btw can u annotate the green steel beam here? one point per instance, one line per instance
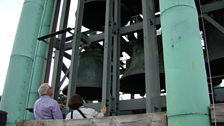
(59, 53)
(51, 41)
(152, 81)
(15, 92)
(116, 59)
(214, 23)
(213, 6)
(132, 104)
(106, 87)
(73, 74)
(186, 83)
(36, 76)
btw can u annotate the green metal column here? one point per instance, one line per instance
(186, 83)
(39, 58)
(106, 87)
(18, 77)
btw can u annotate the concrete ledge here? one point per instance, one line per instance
(148, 119)
(217, 113)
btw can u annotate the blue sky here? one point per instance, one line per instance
(9, 13)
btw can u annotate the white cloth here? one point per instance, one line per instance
(88, 112)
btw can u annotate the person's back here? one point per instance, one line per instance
(88, 112)
(45, 107)
(80, 112)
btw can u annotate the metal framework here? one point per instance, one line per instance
(113, 45)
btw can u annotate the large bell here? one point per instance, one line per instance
(90, 68)
(133, 79)
(94, 13)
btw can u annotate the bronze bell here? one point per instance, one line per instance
(133, 79)
(90, 71)
(94, 13)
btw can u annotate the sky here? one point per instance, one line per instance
(9, 18)
(10, 11)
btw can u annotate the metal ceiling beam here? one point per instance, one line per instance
(212, 6)
(214, 23)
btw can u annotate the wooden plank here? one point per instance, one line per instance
(217, 112)
(148, 119)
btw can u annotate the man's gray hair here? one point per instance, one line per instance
(43, 89)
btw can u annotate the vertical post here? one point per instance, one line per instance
(50, 46)
(152, 80)
(36, 76)
(116, 57)
(59, 53)
(18, 77)
(186, 83)
(106, 96)
(73, 75)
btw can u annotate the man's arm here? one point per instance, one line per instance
(56, 112)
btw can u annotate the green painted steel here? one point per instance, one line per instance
(186, 83)
(39, 58)
(18, 77)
